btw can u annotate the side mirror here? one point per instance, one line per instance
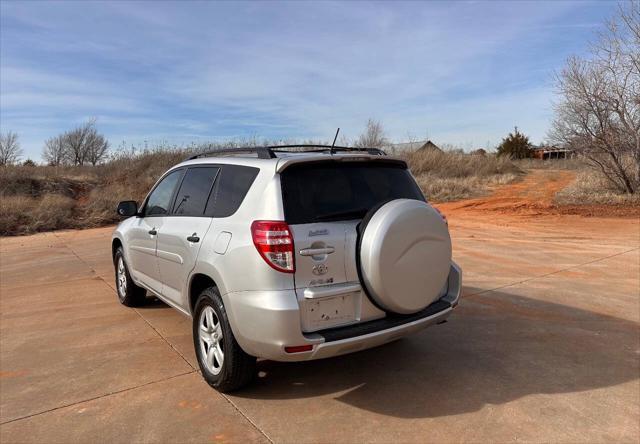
(127, 208)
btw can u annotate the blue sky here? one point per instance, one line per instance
(460, 73)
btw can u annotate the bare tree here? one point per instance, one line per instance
(373, 137)
(54, 151)
(76, 143)
(599, 111)
(78, 146)
(97, 147)
(10, 151)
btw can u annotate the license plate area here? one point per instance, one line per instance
(330, 311)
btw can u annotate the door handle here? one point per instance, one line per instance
(316, 251)
(193, 238)
(153, 232)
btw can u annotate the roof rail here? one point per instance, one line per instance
(270, 152)
(262, 152)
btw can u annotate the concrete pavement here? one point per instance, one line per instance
(545, 346)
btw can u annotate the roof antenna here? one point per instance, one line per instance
(334, 141)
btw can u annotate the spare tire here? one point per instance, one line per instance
(404, 255)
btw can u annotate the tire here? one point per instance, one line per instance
(129, 293)
(211, 331)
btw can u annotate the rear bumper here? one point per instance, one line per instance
(265, 322)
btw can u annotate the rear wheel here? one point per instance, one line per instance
(129, 293)
(224, 365)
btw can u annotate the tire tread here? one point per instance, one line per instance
(239, 367)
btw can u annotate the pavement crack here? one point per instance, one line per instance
(105, 395)
(193, 369)
(533, 278)
(233, 404)
(76, 254)
(164, 339)
(136, 310)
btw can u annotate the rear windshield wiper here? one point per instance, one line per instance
(344, 215)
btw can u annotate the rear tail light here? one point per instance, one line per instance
(274, 242)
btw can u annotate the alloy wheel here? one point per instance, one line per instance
(122, 278)
(210, 338)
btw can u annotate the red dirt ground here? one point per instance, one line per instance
(534, 196)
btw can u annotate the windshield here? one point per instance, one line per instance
(331, 191)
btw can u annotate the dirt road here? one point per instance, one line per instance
(543, 347)
(534, 196)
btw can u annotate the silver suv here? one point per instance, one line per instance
(287, 253)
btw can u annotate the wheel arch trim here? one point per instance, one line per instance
(201, 273)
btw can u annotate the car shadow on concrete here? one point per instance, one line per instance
(496, 347)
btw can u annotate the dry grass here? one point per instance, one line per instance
(553, 164)
(127, 177)
(40, 198)
(591, 188)
(36, 199)
(443, 189)
(447, 176)
(25, 214)
(47, 198)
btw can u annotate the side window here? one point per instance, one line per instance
(231, 188)
(194, 191)
(160, 198)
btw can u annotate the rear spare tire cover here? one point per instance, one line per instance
(405, 255)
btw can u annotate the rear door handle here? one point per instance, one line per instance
(316, 251)
(193, 238)
(153, 232)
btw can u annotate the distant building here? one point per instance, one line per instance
(546, 152)
(429, 146)
(422, 145)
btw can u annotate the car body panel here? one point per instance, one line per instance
(177, 256)
(141, 249)
(319, 253)
(275, 323)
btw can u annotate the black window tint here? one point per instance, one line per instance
(230, 189)
(160, 198)
(194, 191)
(337, 191)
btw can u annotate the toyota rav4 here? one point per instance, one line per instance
(287, 253)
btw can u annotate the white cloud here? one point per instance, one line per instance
(463, 72)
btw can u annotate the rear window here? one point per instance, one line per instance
(231, 187)
(342, 191)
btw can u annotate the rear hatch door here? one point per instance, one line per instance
(323, 203)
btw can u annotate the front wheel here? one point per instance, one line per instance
(224, 365)
(129, 293)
